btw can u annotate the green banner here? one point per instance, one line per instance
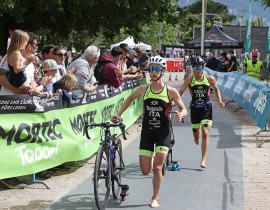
(33, 142)
(247, 40)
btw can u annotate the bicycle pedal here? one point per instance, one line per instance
(123, 197)
(124, 193)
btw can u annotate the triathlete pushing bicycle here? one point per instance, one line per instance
(155, 135)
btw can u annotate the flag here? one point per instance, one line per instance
(268, 40)
(247, 41)
(268, 46)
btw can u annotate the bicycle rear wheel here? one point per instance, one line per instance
(116, 170)
(102, 177)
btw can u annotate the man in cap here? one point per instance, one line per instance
(132, 59)
(122, 65)
(143, 60)
(254, 67)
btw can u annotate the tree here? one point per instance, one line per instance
(266, 3)
(59, 19)
(191, 16)
(180, 31)
(257, 22)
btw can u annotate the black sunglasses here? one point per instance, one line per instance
(61, 55)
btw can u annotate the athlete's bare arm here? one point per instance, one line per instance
(185, 85)
(217, 92)
(138, 92)
(176, 98)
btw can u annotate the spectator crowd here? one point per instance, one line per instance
(249, 63)
(26, 70)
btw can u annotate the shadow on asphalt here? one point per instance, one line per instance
(76, 201)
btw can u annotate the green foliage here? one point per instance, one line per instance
(192, 15)
(180, 31)
(265, 3)
(258, 22)
(104, 22)
(58, 19)
(149, 33)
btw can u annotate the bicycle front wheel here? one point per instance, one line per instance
(102, 177)
(117, 169)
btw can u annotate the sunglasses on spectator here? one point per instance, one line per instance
(197, 68)
(61, 55)
(34, 44)
(155, 68)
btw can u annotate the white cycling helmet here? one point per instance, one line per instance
(157, 60)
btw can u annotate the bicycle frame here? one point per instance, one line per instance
(112, 146)
(172, 139)
(169, 159)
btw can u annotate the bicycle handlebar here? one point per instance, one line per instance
(106, 125)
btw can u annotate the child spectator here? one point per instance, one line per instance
(49, 67)
(66, 85)
(16, 62)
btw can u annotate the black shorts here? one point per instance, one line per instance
(201, 115)
(155, 141)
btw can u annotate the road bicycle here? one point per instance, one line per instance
(109, 164)
(169, 158)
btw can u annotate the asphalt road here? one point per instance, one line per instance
(218, 187)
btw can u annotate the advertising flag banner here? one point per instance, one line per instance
(268, 40)
(247, 40)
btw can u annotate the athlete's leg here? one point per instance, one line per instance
(147, 146)
(161, 150)
(205, 143)
(146, 163)
(195, 117)
(158, 177)
(206, 125)
(196, 134)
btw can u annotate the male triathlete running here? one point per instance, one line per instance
(200, 106)
(155, 135)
